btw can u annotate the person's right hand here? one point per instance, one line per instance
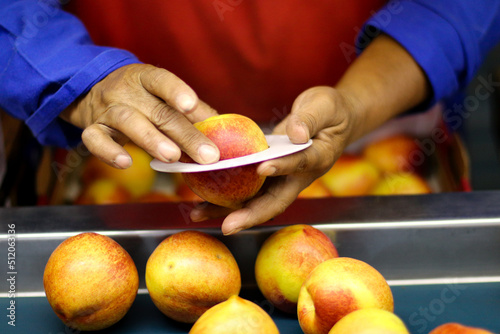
(147, 105)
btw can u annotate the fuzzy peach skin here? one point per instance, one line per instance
(370, 321)
(90, 281)
(235, 316)
(235, 136)
(337, 287)
(286, 258)
(189, 272)
(456, 328)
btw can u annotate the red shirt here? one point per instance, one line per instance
(251, 57)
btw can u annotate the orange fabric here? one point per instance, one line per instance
(251, 57)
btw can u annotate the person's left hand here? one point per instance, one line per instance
(324, 114)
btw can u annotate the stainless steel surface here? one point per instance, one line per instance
(452, 237)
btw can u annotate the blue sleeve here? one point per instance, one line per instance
(449, 39)
(47, 61)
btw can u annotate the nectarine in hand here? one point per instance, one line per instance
(235, 136)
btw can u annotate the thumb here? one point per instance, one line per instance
(311, 112)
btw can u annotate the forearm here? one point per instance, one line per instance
(382, 82)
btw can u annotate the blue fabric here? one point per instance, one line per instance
(449, 39)
(47, 61)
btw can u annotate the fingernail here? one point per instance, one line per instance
(167, 151)
(122, 161)
(268, 171)
(305, 131)
(234, 231)
(185, 102)
(208, 154)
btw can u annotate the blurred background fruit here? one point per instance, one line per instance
(138, 179)
(351, 175)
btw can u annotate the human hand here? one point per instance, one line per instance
(322, 113)
(145, 104)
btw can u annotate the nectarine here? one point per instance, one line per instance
(235, 316)
(337, 287)
(351, 175)
(286, 258)
(392, 154)
(189, 272)
(90, 281)
(138, 179)
(370, 321)
(401, 184)
(456, 328)
(317, 189)
(235, 136)
(103, 191)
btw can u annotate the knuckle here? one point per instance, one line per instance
(162, 115)
(89, 133)
(303, 163)
(121, 115)
(159, 76)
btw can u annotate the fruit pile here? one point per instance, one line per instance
(390, 166)
(393, 165)
(192, 277)
(99, 183)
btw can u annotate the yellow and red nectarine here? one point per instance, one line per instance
(286, 258)
(90, 281)
(235, 136)
(189, 272)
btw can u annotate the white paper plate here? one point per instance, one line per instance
(279, 146)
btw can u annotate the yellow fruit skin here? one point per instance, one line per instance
(370, 321)
(286, 258)
(90, 281)
(189, 272)
(337, 287)
(235, 316)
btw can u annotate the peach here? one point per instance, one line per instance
(188, 273)
(235, 316)
(370, 321)
(456, 328)
(401, 184)
(90, 281)
(392, 154)
(235, 136)
(337, 287)
(351, 175)
(286, 258)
